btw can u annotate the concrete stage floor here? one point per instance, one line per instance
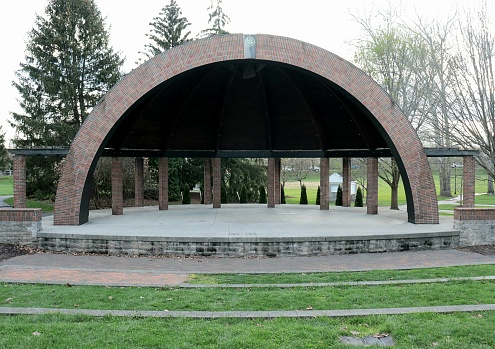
(249, 221)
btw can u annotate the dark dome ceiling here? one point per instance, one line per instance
(259, 107)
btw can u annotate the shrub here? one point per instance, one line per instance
(223, 195)
(338, 199)
(359, 198)
(318, 196)
(304, 196)
(262, 195)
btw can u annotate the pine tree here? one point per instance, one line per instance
(304, 196)
(69, 65)
(318, 196)
(359, 198)
(223, 195)
(262, 195)
(338, 199)
(243, 197)
(186, 196)
(167, 30)
(217, 19)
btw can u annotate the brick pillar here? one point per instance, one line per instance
(324, 183)
(372, 189)
(139, 182)
(270, 183)
(468, 181)
(117, 187)
(216, 164)
(278, 166)
(207, 182)
(163, 183)
(346, 182)
(19, 181)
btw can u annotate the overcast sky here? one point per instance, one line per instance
(325, 23)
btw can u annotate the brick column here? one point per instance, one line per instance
(139, 182)
(278, 166)
(19, 181)
(324, 183)
(468, 181)
(346, 182)
(163, 183)
(207, 182)
(117, 187)
(216, 164)
(270, 183)
(372, 189)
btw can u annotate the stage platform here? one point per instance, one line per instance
(249, 230)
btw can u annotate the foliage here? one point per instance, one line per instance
(167, 30)
(243, 197)
(262, 199)
(338, 199)
(186, 196)
(5, 162)
(303, 200)
(317, 201)
(217, 19)
(358, 202)
(282, 195)
(101, 194)
(68, 67)
(239, 173)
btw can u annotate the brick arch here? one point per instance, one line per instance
(72, 201)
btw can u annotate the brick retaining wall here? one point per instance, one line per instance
(19, 225)
(476, 225)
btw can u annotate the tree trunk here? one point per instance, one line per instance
(394, 201)
(490, 185)
(444, 175)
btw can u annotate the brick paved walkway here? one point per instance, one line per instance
(145, 271)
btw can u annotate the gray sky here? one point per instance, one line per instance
(325, 23)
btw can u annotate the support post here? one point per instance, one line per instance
(346, 182)
(207, 182)
(163, 184)
(468, 181)
(139, 182)
(324, 183)
(19, 181)
(217, 182)
(270, 187)
(117, 187)
(372, 187)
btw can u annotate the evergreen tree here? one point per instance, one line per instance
(168, 30)
(304, 196)
(186, 196)
(318, 196)
(282, 195)
(5, 162)
(69, 65)
(262, 195)
(217, 19)
(359, 198)
(223, 195)
(243, 197)
(338, 199)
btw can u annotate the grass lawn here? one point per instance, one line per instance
(46, 206)
(6, 185)
(457, 330)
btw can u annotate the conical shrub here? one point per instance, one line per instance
(304, 196)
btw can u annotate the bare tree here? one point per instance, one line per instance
(296, 169)
(475, 89)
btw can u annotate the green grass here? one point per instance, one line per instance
(6, 185)
(373, 275)
(46, 206)
(458, 330)
(247, 299)
(485, 199)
